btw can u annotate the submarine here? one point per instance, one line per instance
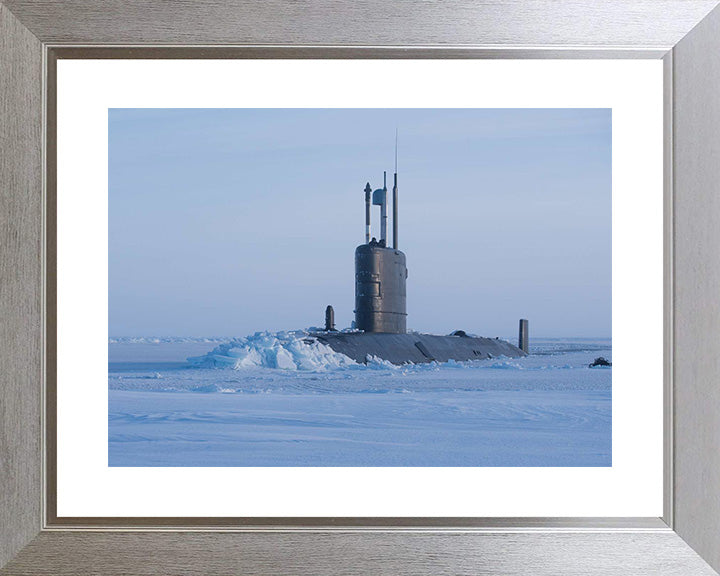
(380, 326)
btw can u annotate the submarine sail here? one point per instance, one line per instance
(380, 306)
(380, 275)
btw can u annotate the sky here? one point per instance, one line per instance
(225, 222)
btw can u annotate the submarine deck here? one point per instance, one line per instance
(416, 348)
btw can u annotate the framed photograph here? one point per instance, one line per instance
(383, 304)
(384, 391)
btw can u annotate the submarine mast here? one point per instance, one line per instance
(380, 271)
(395, 198)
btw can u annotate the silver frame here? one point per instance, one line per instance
(685, 33)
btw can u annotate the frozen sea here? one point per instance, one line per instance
(272, 400)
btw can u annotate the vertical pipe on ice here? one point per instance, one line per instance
(523, 336)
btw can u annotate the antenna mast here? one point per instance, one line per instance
(368, 190)
(395, 196)
(396, 140)
(383, 211)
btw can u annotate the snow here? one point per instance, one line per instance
(272, 400)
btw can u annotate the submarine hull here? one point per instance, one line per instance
(416, 348)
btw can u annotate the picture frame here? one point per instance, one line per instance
(685, 34)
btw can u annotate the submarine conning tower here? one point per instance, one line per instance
(380, 271)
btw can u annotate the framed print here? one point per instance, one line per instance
(358, 408)
(343, 417)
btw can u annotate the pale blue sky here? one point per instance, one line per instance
(223, 222)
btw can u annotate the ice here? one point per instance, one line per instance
(273, 399)
(280, 350)
(496, 428)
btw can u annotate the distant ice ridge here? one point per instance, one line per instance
(163, 339)
(291, 350)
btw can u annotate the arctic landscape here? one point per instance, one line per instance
(273, 400)
(421, 235)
